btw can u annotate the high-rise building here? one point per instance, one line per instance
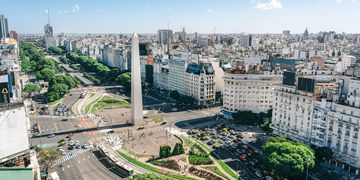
(165, 36)
(49, 34)
(245, 40)
(177, 67)
(4, 27)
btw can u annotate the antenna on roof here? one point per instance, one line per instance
(48, 15)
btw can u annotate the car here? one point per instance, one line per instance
(86, 146)
(258, 174)
(76, 143)
(63, 153)
(163, 123)
(51, 136)
(64, 119)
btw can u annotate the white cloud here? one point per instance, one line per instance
(210, 11)
(65, 11)
(339, 1)
(272, 4)
(97, 10)
(169, 9)
(75, 8)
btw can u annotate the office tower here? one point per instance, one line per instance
(49, 34)
(165, 36)
(136, 93)
(4, 28)
(245, 40)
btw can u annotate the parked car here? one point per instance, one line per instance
(51, 136)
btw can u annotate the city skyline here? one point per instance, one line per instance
(251, 16)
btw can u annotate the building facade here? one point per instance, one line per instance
(248, 92)
(200, 83)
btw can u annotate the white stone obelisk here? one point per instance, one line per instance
(136, 93)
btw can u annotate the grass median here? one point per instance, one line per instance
(224, 166)
(149, 168)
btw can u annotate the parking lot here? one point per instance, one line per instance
(236, 148)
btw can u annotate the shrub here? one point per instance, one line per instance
(171, 164)
(199, 160)
(165, 151)
(178, 149)
(203, 174)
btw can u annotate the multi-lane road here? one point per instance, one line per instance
(85, 167)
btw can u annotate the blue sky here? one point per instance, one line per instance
(146, 16)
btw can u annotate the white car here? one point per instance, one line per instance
(63, 153)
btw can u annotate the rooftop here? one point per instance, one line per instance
(16, 173)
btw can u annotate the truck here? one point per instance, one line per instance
(54, 176)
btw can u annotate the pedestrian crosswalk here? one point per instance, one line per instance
(69, 155)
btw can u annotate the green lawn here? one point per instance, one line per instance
(109, 102)
(224, 166)
(149, 168)
(216, 170)
(88, 106)
(137, 163)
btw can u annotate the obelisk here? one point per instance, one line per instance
(136, 93)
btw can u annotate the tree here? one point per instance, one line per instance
(48, 156)
(165, 151)
(32, 88)
(175, 95)
(55, 50)
(63, 59)
(125, 80)
(47, 74)
(247, 117)
(323, 153)
(287, 158)
(178, 149)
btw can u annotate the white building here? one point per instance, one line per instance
(161, 74)
(200, 83)
(316, 118)
(248, 92)
(292, 113)
(177, 67)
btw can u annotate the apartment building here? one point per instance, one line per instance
(248, 92)
(200, 83)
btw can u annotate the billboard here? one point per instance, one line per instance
(5, 93)
(306, 84)
(289, 78)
